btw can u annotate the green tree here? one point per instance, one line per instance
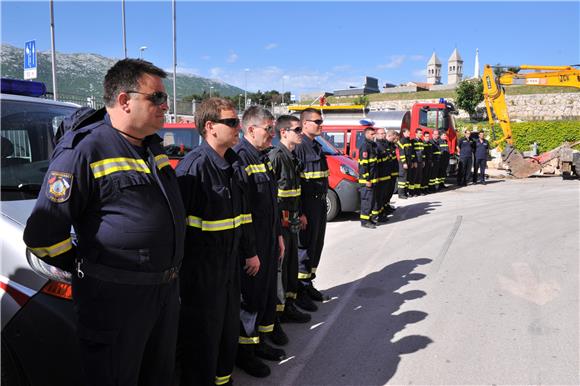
(469, 94)
(361, 100)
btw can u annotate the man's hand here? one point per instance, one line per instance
(405, 166)
(303, 222)
(252, 265)
(282, 248)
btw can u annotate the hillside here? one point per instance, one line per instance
(81, 74)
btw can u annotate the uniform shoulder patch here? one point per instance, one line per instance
(59, 186)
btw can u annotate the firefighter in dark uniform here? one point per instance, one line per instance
(110, 179)
(259, 296)
(406, 158)
(419, 149)
(392, 168)
(428, 177)
(444, 146)
(383, 175)
(219, 240)
(368, 179)
(465, 151)
(287, 173)
(481, 153)
(435, 179)
(314, 186)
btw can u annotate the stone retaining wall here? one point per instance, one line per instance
(524, 107)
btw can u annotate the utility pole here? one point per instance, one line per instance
(174, 6)
(53, 51)
(124, 28)
(246, 87)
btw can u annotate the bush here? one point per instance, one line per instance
(548, 134)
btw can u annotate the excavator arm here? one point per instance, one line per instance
(494, 96)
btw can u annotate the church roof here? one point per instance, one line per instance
(434, 60)
(455, 56)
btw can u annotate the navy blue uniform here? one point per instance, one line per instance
(259, 292)
(219, 237)
(369, 169)
(443, 161)
(314, 186)
(124, 204)
(384, 173)
(406, 156)
(416, 175)
(465, 146)
(481, 151)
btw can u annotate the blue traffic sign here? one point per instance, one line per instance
(30, 55)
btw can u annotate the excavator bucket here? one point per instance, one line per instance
(520, 167)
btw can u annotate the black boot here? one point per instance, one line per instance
(315, 294)
(304, 301)
(265, 351)
(278, 336)
(367, 224)
(247, 361)
(292, 315)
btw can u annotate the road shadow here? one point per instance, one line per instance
(356, 338)
(408, 210)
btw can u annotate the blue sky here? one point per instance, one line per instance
(306, 46)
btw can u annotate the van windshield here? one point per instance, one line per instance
(27, 133)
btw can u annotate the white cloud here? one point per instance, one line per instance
(342, 67)
(215, 72)
(422, 72)
(395, 61)
(417, 58)
(186, 70)
(232, 57)
(271, 46)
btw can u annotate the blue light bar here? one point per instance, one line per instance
(441, 100)
(22, 87)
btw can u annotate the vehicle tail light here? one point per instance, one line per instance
(60, 290)
(47, 271)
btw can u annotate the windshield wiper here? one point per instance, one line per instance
(22, 187)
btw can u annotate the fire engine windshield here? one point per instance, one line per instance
(27, 133)
(433, 119)
(327, 147)
(178, 142)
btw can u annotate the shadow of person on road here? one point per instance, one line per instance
(356, 338)
(408, 211)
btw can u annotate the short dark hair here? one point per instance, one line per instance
(369, 128)
(210, 110)
(125, 75)
(418, 129)
(308, 111)
(284, 122)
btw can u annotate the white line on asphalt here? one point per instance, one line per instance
(286, 360)
(316, 325)
(294, 372)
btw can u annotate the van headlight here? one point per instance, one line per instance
(345, 169)
(47, 271)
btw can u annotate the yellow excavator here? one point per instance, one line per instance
(494, 96)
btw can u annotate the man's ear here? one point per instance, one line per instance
(209, 127)
(123, 101)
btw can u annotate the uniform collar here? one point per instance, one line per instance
(150, 139)
(285, 150)
(249, 147)
(222, 163)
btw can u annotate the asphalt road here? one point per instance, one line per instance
(477, 286)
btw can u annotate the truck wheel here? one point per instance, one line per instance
(332, 205)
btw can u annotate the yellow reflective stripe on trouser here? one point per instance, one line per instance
(255, 168)
(302, 275)
(313, 269)
(279, 307)
(53, 250)
(112, 165)
(291, 295)
(218, 225)
(289, 193)
(249, 340)
(222, 380)
(367, 161)
(312, 175)
(161, 160)
(266, 329)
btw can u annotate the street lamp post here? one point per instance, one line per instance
(283, 79)
(141, 49)
(210, 89)
(246, 87)
(239, 102)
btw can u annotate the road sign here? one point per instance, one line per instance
(30, 59)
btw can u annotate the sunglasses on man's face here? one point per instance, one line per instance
(296, 129)
(157, 98)
(317, 121)
(231, 122)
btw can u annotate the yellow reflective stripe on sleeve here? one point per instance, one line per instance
(54, 250)
(161, 160)
(279, 307)
(289, 193)
(385, 178)
(367, 161)
(249, 340)
(255, 168)
(266, 329)
(394, 174)
(373, 181)
(302, 275)
(222, 380)
(112, 165)
(219, 225)
(313, 175)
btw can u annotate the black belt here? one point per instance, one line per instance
(121, 276)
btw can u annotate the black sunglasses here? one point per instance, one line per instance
(317, 121)
(231, 122)
(157, 98)
(296, 129)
